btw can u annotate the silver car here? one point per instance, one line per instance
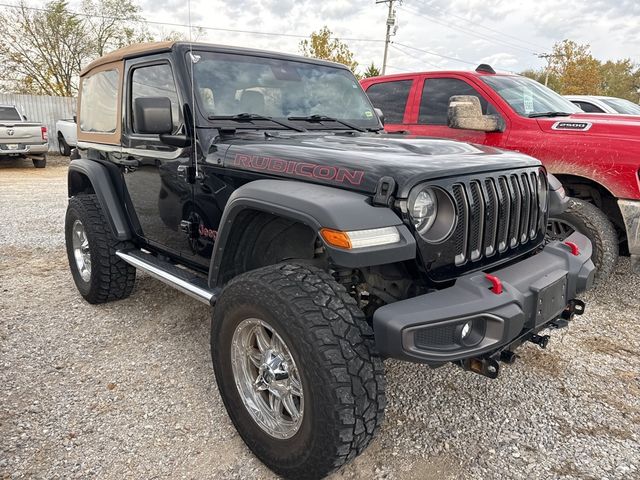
(21, 138)
(601, 104)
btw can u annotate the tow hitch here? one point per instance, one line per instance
(574, 307)
(485, 366)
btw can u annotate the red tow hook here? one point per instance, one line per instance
(496, 283)
(574, 248)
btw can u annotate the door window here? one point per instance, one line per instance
(391, 98)
(436, 93)
(99, 106)
(588, 107)
(155, 81)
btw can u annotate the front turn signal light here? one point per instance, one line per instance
(360, 238)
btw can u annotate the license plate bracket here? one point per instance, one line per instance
(551, 297)
(13, 146)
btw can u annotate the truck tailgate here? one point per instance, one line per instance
(19, 132)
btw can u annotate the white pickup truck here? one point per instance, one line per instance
(67, 134)
(20, 138)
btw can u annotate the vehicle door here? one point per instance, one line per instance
(430, 115)
(155, 173)
(393, 97)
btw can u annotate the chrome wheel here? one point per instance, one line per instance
(558, 229)
(81, 250)
(267, 378)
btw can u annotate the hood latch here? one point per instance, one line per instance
(385, 189)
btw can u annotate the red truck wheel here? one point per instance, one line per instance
(589, 220)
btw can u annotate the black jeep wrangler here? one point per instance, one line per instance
(264, 185)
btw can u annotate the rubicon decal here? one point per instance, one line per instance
(299, 169)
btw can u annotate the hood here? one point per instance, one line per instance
(359, 161)
(598, 124)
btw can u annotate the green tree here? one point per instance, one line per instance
(620, 78)
(371, 71)
(321, 45)
(43, 50)
(578, 72)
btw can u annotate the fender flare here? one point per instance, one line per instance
(98, 176)
(316, 206)
(558, 199)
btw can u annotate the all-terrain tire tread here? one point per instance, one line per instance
(602, 233)
(115, 278)
(340, 332)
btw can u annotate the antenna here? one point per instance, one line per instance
(193, 59)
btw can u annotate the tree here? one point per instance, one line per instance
(321, 45)
(371, 71)
(578, 71)
(621, 78)
(43, 50)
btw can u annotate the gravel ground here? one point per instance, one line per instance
(126, 390)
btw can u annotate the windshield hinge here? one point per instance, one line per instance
(384, 191)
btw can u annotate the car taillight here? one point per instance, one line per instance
(45, 135)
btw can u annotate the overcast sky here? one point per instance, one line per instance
(505, 33)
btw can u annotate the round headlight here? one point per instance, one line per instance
(543, 192)
(423, 208)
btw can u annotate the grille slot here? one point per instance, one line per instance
(495, 214)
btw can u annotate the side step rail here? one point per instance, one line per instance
(181, 279)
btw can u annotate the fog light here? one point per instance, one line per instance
(470, 333)
(466, 330)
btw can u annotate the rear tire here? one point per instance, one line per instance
(99, 274)
(332, 353)
(39, 162)
(589, 220)
(63, 147)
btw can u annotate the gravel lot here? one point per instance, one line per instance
(126, 390)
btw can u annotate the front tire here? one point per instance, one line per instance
(63, 147)
(99, 274)
(589, 220)
(299, 317)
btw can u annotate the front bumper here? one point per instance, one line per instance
(535, 292)
(630, 210)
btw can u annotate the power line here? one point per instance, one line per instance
(395, 47)
(468, 31)
(502, 34)
(436, 54)
(201, 27)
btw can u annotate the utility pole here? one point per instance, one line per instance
(548, 57)
(391, 22)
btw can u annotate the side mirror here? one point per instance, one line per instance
(465, 113)
(24, 117)
(152, 115)
(75, 119)
(380, 115)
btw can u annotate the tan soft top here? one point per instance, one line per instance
(126, 52)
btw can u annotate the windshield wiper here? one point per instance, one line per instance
(250, 117)
(324, 118)
(549, 114)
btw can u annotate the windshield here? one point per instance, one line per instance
(9, 113)
(621, 105)
(228, 84)
(527, 96)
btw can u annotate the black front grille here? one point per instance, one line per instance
(496, 214)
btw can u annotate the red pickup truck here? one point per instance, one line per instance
(596, 157)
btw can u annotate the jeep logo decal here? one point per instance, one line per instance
(299, 169)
